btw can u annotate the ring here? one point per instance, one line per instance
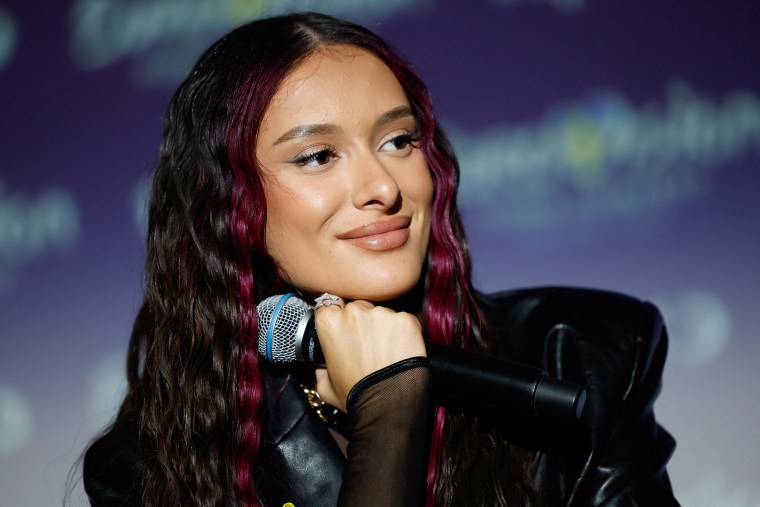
(327, 299)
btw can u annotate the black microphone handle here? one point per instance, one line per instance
(472, 378)
(475, 379)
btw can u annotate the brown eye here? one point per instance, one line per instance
(316, 158)
(401, 142)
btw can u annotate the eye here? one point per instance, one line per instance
(316, 157)
(402, 143)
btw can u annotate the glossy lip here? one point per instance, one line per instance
(377, 227)
(381, 235)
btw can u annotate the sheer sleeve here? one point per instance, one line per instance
(386, 426)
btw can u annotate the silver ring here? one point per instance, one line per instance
(327, 299)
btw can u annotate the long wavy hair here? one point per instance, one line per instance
(194, 382)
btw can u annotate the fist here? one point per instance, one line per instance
(359, 339)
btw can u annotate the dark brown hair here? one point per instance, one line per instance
(194, 382)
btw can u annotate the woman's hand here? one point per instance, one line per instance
(359, 339)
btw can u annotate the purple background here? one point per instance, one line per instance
(610, 144)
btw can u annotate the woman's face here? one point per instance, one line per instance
(348, 190)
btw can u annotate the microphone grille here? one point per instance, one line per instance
(279, 317)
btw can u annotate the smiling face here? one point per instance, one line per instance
(348, 190)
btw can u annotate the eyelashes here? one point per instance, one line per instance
(399, 145)
(316, 157)
(403, 141)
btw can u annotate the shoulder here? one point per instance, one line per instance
(593, 312)
(615, 345)
(579, 334)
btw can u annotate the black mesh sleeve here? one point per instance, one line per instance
(386, 426)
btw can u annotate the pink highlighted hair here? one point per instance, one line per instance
(448, 307)
(208, 265)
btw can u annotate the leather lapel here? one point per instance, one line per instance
(300, 460)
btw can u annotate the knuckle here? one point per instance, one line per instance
(409, 319)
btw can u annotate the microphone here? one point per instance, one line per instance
(287, 334)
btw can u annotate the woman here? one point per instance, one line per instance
(302, 155)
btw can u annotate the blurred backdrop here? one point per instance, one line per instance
(611, 144)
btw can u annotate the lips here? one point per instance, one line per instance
(379, 235)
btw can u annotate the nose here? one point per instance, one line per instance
(374, 186)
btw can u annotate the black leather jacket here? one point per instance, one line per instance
(613, 344)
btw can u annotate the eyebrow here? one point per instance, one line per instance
(394, 114)
(325, 129)
(315, 129)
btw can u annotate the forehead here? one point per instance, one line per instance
(335, 83)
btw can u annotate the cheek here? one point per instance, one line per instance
(426, 190)
(420, 187)
(429, 188)
(279, 202)
(282, 239)
(296, 213)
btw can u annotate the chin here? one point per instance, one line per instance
(374, 291)
(390, 291)
(378, 284)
